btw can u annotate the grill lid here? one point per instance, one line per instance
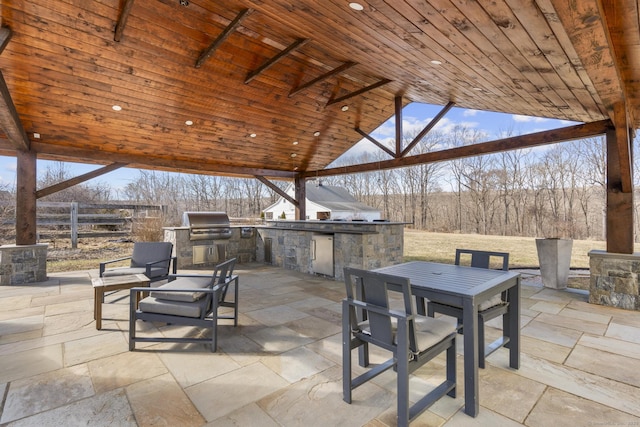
(207, 225)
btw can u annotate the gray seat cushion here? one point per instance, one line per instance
(429, 331)
(174, 308)
(493, 301)
(182, 283)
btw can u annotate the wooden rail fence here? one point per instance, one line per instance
(88, 220)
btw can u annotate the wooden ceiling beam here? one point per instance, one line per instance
(50, 151)
(122, 19)
(513, 143)
(277, 189)
(223, 36)
(376, 142)
(271, 62)
(323, 77)
(5, 36)
(359, 92)
(10, 120)
(428, 128)
(77, 180)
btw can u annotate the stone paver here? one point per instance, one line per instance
(282, 364)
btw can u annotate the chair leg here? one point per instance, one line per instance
(346, 355)
(451, 367)
(402, 372)
(235, 303)
(214, 324)
(132, 325)
(481, 342)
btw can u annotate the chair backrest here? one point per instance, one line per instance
(223, 272)
(483, 259)
(144, 252)
(222, 275)
(370, 292)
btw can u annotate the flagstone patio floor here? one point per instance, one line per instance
(282, 365)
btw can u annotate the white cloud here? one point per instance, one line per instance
(527, 119)
(470, 113)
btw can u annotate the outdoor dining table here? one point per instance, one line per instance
(467, 287)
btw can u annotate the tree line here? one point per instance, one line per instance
(557, 190)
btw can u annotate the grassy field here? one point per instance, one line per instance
(418, 245)
(441, 247)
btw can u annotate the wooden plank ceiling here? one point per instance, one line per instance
(265, 83)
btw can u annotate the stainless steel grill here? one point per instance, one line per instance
(207, 225)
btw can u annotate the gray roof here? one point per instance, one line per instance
(334, 198)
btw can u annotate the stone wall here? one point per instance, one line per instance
(365, 245)
(239, 246)
(23, 264)
(614, 279)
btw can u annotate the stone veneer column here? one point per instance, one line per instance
(614, 279)
(23, 264)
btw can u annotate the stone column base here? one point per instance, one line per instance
(23, 264)
(614, 279)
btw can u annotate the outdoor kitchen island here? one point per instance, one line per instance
(299, 245)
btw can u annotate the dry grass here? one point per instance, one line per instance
(441, 247)
(418, 245)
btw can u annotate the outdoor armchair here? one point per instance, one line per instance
(153, 259)
(496, 306)
(192, 300)
(370, 318)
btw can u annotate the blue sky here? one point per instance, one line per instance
(415, 116)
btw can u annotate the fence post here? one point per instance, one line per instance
(74, 225)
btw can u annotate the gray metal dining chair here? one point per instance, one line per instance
(370, 318)
(494, 307)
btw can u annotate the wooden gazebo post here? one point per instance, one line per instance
(301, 197)
(26, 198)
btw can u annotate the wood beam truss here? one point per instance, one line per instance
(427, 128)
(122, 19)
(376, 142)
(48, 151)
(223, 36)
(322, 78)
(513, 143)
(399, 134)
(77, 180)
(359, 92)
(277, 189)
(5, 36)
(292, 47)
(10, 120)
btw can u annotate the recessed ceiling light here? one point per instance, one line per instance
(293, 154)
(345, 108)
(316, 133)
(479, 89)
(252, 135)
(436, 62)
(295, 169)
(356, 6)
(36, 135)
(116, 108)
(295, 143)
(188, 122)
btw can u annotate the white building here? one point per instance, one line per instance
(324, 202)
